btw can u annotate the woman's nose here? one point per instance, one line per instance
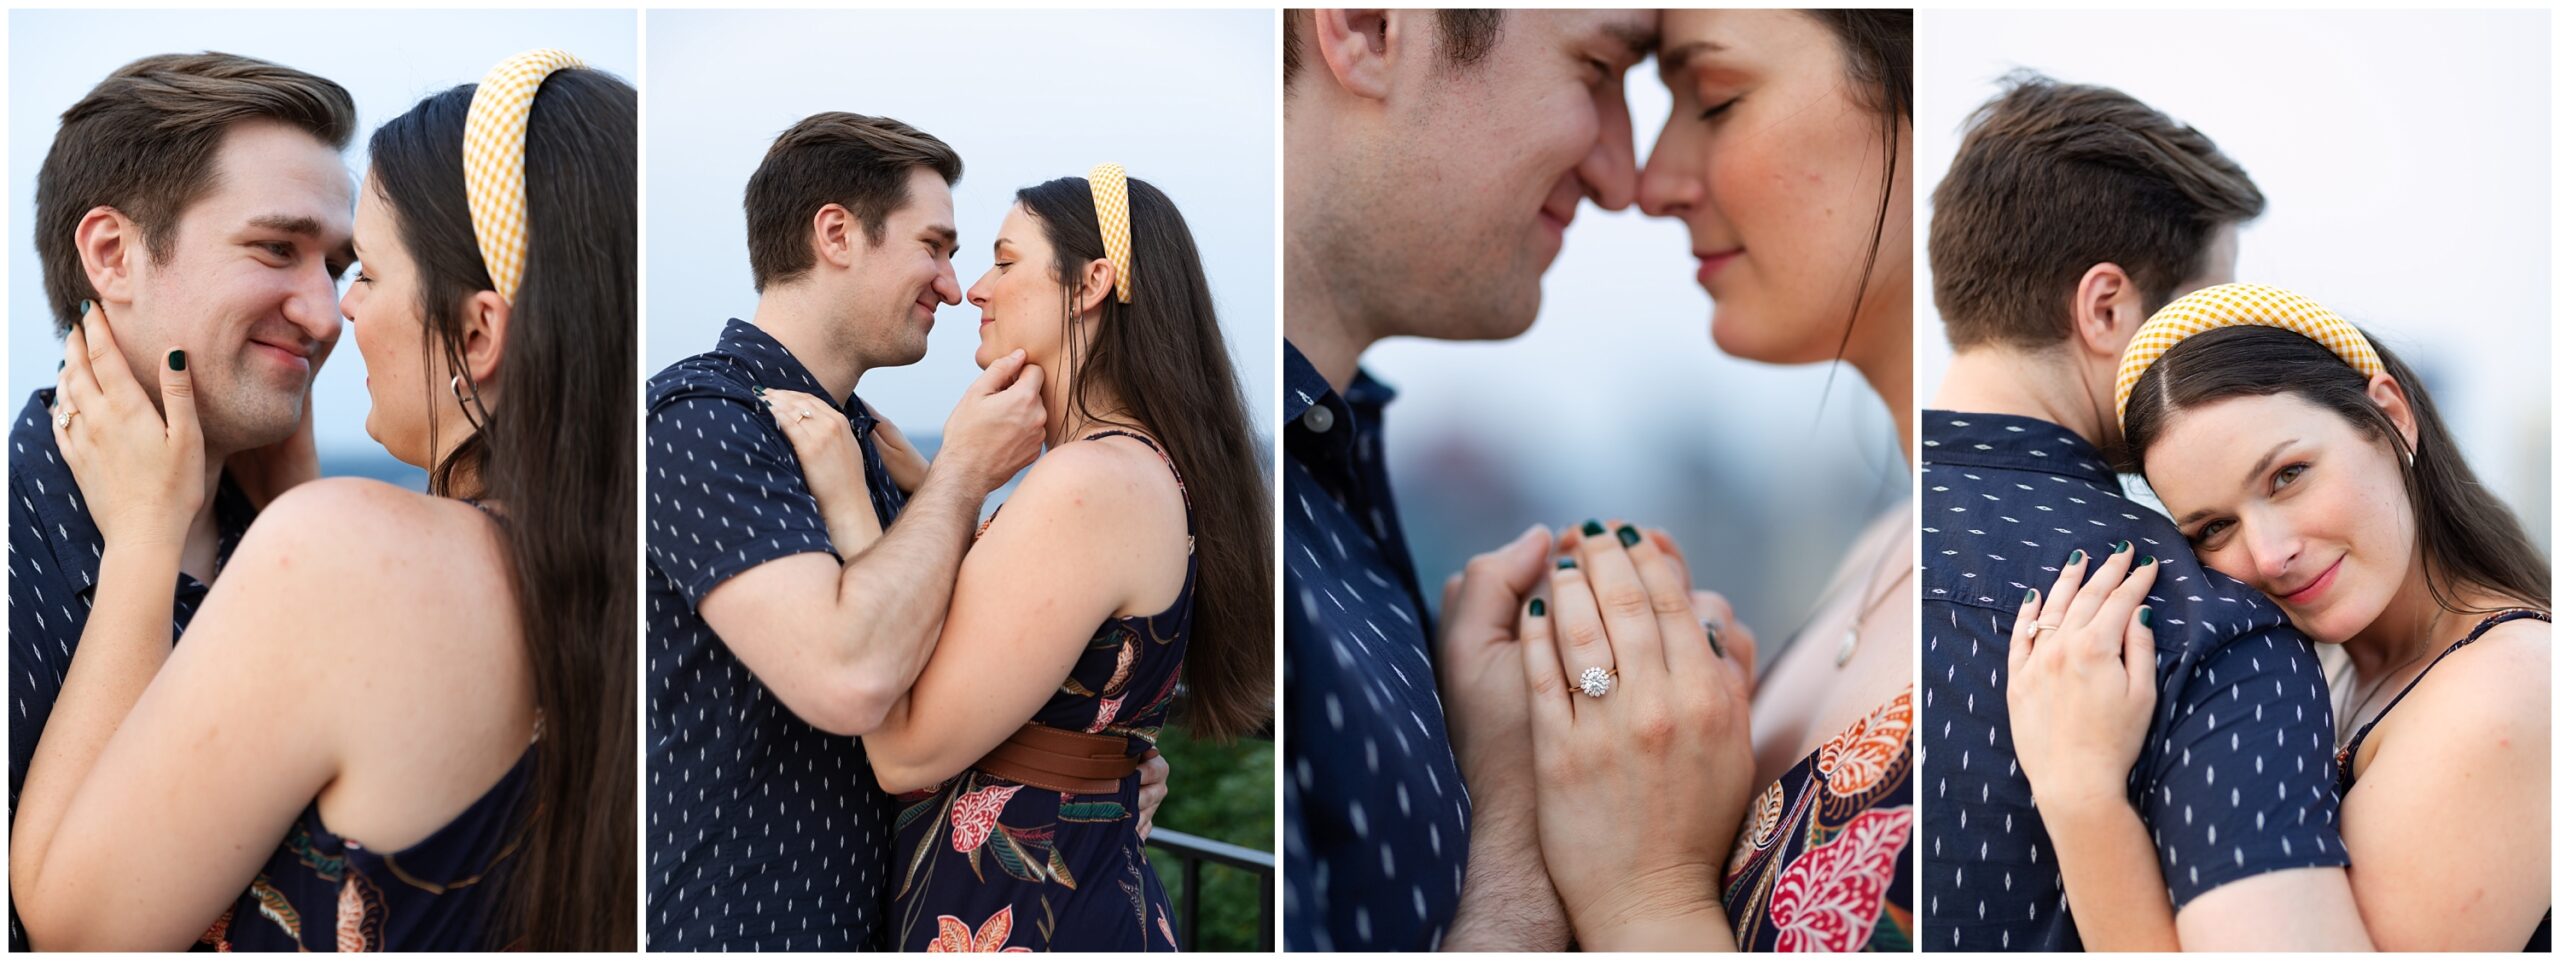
(1663, 187)
(2272, 549)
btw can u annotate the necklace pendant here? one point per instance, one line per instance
(1848, 646)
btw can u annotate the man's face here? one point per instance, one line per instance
(249, 288)
(1467, 195)
(897, 284)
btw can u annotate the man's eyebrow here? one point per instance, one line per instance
(944, 234)
(300, 226)
(1636, 40)
(1677, 58)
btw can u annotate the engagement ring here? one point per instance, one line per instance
(1596, 681)
(62, 418)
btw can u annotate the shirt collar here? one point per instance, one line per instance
(1304, 387)
(2010, 441)
(771, 365)
(63, 514)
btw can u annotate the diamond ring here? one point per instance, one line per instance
(62, 418)
(804, 413)
(1597, 681)
(2041, 627)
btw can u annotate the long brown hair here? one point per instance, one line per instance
(557, 452)
(1162, 357)
(2467, 538)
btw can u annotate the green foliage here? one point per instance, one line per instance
(1221, 792)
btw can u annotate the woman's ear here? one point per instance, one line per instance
(484, 337)
(1098, 277)
(2384, 390)
(110, 245)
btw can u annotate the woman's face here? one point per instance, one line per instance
(1776, 163)
(2292, 500)
(381, 305)
(1020, 301)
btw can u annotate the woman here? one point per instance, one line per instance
(1133, 563)
(2317, 472)
(399, 721)
(1788, 155)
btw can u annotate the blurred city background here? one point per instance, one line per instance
(2406, 160)
(388, 60)
(1184, 99)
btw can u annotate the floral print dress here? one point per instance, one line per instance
(989, 864)
(1824, 860)
(323, 892)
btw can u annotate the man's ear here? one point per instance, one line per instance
(837, 234)
(110, 248)
(1360, 47)
(2106, 309)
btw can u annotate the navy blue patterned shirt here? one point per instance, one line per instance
(54, 548)
(2235, 778)
(1377, 815)
(765, 833)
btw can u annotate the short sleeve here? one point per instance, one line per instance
(725, 493)
(2244, 782)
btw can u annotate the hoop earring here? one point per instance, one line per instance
(477, 423)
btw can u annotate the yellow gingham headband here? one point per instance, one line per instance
(493, 159)
(2239, 305)
(1111, 206)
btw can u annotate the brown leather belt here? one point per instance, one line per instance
(1057, 759)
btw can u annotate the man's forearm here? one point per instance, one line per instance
(1508, 904)
(898, 590)
(2112, 873)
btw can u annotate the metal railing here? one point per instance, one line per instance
(1192, 852)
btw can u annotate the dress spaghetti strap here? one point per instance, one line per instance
(2347, 755)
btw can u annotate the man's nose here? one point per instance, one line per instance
(946, 285)
(1608, 172)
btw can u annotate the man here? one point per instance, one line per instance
(200, 201)
(1434, 159)
(770, 649)
(2070, 214)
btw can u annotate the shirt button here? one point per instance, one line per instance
(1318, 418)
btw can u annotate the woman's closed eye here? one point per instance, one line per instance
(1718, 111)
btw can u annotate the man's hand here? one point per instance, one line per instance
(997, 427)
(1508, 903)
(1151, 776)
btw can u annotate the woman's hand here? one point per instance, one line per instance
(906, 464)
(832, 462)
(2081, 683)
(143, 473)
(1642, 737)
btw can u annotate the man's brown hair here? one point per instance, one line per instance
(1465, 37)
(2054, 178)
(858, 162)
(143, 141)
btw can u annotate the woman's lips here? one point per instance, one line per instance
(1709, 264)
(2318, 588)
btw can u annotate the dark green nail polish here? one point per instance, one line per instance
(1564, 564)
(2032, 595)
(1714, 641)
(2145, 561)
(1628, 536)
(2076, 557)
(59, 365)
(177, 360)
(2144, 615)
(1593, 529)
(2123, 546)
(84, 308)
(1537, 607)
